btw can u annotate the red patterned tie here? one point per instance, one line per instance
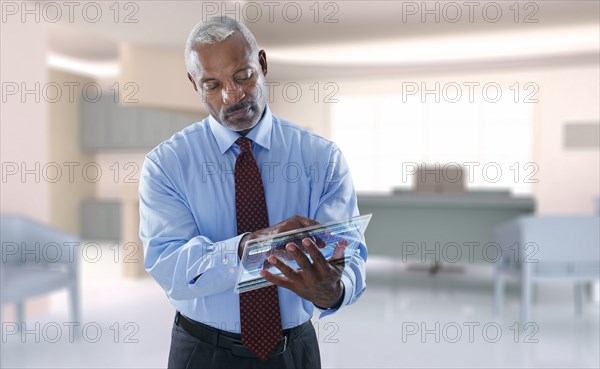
(259, 309)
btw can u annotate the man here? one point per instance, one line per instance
(201, 200)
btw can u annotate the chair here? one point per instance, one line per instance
(547, 248)
(37, 259)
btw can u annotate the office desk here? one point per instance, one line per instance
(442, 228)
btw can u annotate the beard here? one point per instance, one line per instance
(242, 116)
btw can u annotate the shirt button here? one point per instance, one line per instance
(225, 261)
(231, 270)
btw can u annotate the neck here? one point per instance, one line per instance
(246, 131)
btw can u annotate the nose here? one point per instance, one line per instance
(232, 93)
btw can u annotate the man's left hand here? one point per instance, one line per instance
(319, 282)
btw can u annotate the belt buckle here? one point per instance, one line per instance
(285, 342)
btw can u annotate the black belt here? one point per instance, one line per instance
(231, 341)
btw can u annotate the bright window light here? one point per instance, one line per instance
(380, 135)
(91, 69)
(557, 41)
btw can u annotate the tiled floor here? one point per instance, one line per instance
(404, 319)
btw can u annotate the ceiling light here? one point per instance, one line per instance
(442, 49)
(105, 69)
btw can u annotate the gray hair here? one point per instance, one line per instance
(212, 30)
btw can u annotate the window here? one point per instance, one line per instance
(384, 139)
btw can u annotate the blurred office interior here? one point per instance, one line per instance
(472, 130)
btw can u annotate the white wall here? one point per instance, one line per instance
(570, 179)
(161, 76)
(24, 131)
(120, 168)
(24, 124)
(67, 192)
(306, 103)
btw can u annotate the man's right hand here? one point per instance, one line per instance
(289, 224)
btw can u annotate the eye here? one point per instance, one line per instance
(211, 86)
(244, 75)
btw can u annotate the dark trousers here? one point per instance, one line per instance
(188, 351)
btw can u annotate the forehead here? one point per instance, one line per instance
(223, 58)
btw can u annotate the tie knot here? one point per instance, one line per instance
(245, 144)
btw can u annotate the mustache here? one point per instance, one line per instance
(240, 106)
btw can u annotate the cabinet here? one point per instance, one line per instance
(100, 220)
(93, 120)
(106, 125)
(155, 126)
(123, 127)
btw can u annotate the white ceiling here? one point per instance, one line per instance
(167, 23)
(66, 39)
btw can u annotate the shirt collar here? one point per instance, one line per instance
(260, 134)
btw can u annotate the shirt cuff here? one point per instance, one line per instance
(222, 266)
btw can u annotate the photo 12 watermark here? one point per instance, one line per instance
(468, 252)
(469, 332)
(61, 332)
(290, 92)
(469, 172)
(470, 11)
(68, 91)
(69, 172)
(57, 252)
(470, 91)
(70, 11)
(273, 11)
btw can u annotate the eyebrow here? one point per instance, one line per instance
(206, 79)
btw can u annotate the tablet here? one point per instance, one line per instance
(348, 233)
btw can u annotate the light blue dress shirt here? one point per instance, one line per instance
(188, 220)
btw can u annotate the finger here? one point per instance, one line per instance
(338, 263)
(276, 279)
(293, 223)
(299, 256)
(287, 270)
(282, 252)
(338, 251)
(318, 258)
(305, 222)
(320, 243)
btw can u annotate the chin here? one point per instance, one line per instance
(240, 126)
(245, 128)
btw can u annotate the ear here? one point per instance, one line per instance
(193, 82)
(262, 59)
